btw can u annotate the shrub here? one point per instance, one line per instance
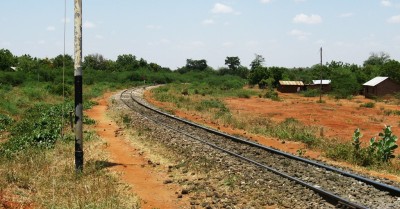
(378, 151)
(5, 121)
(368, 105)
(311, 93)
(384, 148)
(40, 128)
(271, 94)
(59, 89)
(243, 94)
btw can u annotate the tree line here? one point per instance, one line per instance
(347, 79)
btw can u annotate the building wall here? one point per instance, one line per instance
(325, 87)
(387, 86)
(289, 88)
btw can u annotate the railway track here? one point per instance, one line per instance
(339, 188)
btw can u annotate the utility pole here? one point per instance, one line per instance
(320, 87)
(78, 86)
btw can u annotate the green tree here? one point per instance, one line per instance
(200, 65)
(258, 74)
(344, 83)
(392, 69)
(377, 59)
(257, 62)
(127, 62)
(277, 73)
(58, 62)
(7, 60)
(96, 62)
(233, 63)
(27, 63)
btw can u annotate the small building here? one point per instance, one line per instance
(326, 85)
(380, 86)
(290, 86)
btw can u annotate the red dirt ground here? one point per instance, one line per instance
(8, 203)
(339, 119)
(146, 182)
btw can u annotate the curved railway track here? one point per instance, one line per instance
(340, 188)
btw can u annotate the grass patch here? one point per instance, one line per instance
(311, 93)
(391, 112)
(368, 105)
(47, 179)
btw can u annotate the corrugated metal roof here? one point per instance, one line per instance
(324, 82)
(375, 81)
(291, 83)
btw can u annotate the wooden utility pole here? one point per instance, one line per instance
(320, 87)
(78, 86)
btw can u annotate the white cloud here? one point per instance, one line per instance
(41, 42)
(307, 19)
(265, 1)
(349, 14)
(394, 19)
(301, 35)
(99, 36)
(386, 3)
(88, 24)
(50, 28)
(208, 22)
(222, 9)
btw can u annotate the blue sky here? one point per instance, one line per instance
(286, 33)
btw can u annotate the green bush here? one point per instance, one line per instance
(209, 104)
(5, 121)
(244, 94)
(41, 127)
(311, 93)
(368, 105)
(271, 94)
(60, 89)
(377, 151)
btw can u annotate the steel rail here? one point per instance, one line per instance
(381, 186)
(328, 196)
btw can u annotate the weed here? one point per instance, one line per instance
(311, 93)
(5, 121)
(243, 94)
(384, 148)
(271, 94)
(301, 152)
(368, 105)
(230, 181)
(391, 112)
(126, 120)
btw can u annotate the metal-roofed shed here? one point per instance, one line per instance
(324, 82)
(326, 85)
(290, 86)
(380, 86)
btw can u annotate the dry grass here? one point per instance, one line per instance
(47, 179)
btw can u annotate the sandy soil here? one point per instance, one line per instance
(337, 118)
(130, 162)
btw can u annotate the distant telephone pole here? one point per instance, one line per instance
(78, 86)
(320, 87)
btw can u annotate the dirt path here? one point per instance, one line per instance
(146, 182)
